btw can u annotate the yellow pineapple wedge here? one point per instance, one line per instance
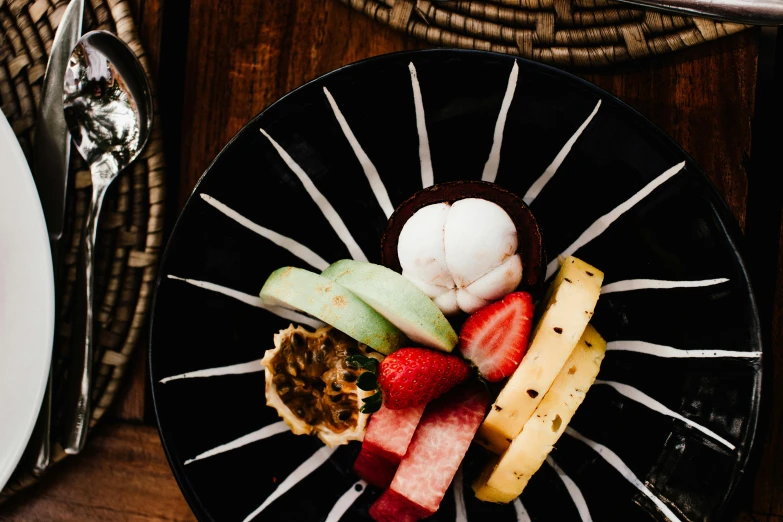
(569, 305)
(504, 479)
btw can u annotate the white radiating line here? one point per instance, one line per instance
(640, 397)
(370, 171)
(536, 188)
(263, 433)
(327, 209)
(602, 223)
(427, 176)
(615, 461)
(234, 369)
(645, 284)
(660, 350)
(573, 490)
(346, 501)
(459, 497)
(296, 248)
(253, 300)
(521, 512)
(493, 162)
(299, 474)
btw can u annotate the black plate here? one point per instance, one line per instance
(679, 231)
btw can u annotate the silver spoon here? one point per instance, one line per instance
(108, 110)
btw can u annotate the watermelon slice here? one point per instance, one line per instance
(374, 468)
(390, 431)
(439, 445)
(393, 507)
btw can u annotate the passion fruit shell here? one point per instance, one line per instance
(310, 384)
(531, 246)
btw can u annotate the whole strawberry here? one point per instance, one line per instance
(413, 376)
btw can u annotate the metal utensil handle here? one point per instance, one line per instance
(755, 12)
(43, 429)
(41, 439)
(81, 376)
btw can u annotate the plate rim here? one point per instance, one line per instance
(726, 218)
(20, 169)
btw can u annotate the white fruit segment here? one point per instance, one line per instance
(333, 304)
(569, 305)
(478, 236)
(447, 302)
(463, 255)
(468, 302)
(498, 282)
(299, 426)
(420, 246)
(504, 479)
(396, 299)
(432, 291)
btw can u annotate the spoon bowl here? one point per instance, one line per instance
(107, 103)
(107, 100)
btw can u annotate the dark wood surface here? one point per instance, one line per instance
(222, 62)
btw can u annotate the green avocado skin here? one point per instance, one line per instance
(333, 304)
(396, 298)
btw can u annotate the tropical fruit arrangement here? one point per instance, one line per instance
(391, 371)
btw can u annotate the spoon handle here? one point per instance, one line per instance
(80, 377)
(755, 12)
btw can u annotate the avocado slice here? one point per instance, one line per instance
(398, 300)
(333, 304)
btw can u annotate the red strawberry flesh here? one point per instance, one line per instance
(495, 338)
(439, 445)
(411, 377)
(374, 468)
(393, 507)
(390, 431)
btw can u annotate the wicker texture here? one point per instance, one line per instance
(131, 224)
(566, 33)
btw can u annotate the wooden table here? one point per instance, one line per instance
(221, 62)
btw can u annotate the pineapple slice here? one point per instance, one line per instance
(483, 490)
(504, 479)
(569, 303)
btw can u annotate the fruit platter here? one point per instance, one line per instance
(499, 295)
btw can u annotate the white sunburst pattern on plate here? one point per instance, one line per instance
(489, 173)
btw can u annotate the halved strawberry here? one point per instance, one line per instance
(495, 338)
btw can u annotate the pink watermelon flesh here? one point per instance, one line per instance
(439, 445)
(393, 507)
(390, 431)
(374, 468)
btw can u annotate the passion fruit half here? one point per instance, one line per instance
(530, 249)
(310, 384)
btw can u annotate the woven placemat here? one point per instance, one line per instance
(566, 33)
(131, 223)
